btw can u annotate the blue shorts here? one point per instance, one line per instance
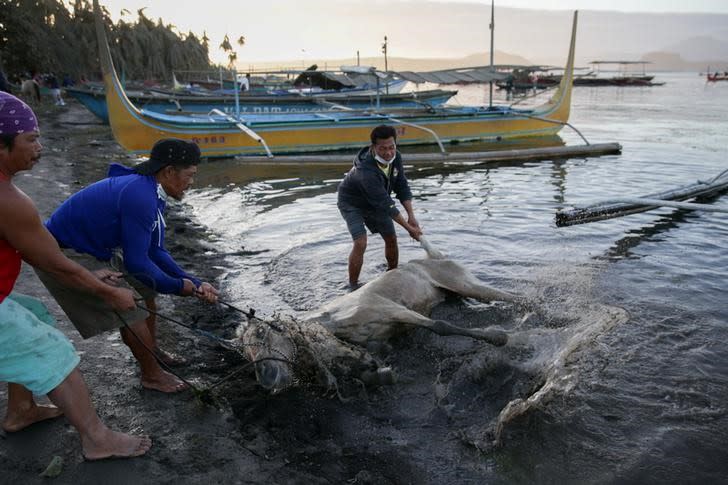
(32, 352)
(358, 220)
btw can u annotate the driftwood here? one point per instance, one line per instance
(624, 206)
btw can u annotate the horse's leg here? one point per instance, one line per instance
(481, 292)
(455, 278)
(493, 336)
(468, 286)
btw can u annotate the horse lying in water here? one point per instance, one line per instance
(382, 308)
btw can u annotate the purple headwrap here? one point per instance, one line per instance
(15, 116)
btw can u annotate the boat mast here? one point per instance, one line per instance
(386, 69)
(492, 29)
(236, 88)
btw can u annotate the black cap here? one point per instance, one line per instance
(170, 151)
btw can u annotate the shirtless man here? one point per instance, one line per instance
(35, 358)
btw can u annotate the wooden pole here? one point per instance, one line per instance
(518, 155)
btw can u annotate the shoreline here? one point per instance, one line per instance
(389, 435)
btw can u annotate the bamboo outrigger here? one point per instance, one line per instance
(624, 206)
(137, 130)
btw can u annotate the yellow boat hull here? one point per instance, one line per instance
(137, 131)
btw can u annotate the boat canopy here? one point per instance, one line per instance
(367, 76)
(341, 79)
(620, 62)
(481, 74)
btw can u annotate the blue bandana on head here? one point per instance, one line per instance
(16, 117)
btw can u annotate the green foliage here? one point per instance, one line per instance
(44, 36)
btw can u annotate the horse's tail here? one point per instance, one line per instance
(36, 91)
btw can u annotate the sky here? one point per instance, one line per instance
(695, 6)
(310, 30)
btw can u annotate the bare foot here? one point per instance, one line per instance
(22, 419)
(163, 382)
(112, 444)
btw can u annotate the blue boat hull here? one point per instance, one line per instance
(95, 101)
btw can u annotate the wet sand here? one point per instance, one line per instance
(405, 433)
(192, 442)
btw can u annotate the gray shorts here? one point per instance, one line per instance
(90, 314)
(358, 220)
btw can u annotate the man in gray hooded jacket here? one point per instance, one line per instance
(364, 199)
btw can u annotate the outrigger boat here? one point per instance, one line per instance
(167, 103)
(712, 78)
(220, 134)
(623, 78)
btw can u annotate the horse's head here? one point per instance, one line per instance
(270, 346)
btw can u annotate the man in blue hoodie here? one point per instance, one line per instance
(118, 222)
(364, 199)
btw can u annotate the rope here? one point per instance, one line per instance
(156, 357)
(203, 394)
(250, 313)
(204, 333)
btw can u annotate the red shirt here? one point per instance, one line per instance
(10, 261)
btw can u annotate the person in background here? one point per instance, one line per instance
(67, 81)
(52, 83)
(364, 199)
(244, 82)
(36, 358)
(118, 223)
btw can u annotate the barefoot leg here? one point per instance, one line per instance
(356, 259)
(166, 357)
(138, 338)
(23, 411)
(98, 441)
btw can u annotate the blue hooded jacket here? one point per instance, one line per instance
(121, 211)
(368, 188)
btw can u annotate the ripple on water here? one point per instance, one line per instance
(646, 396)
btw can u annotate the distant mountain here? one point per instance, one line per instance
(406, 63)
(670, 61)
(700, 49)
(444, 31)
(542, 36)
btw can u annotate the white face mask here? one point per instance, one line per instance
(383, 161)
(161, 193)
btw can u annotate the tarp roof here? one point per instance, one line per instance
(620, 62)
(481, 74)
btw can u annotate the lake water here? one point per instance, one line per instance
(636, 401)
